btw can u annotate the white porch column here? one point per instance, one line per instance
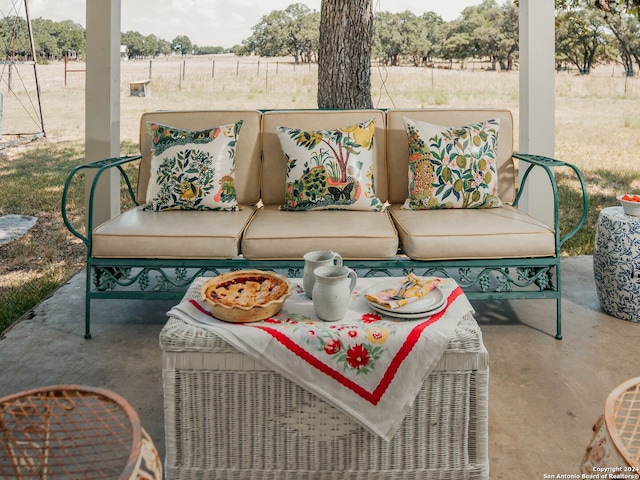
(537, 99)
(102, 101)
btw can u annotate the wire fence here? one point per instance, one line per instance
(266, 72)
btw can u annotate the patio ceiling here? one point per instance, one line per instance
(536, 112)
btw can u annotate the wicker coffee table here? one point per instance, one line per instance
(229, 416)
(73, 432)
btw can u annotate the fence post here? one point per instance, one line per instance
(184, 68)
(213, 69)
(150, 67)
(237, 68)
(258, 72)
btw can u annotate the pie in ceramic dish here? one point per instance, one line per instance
(245, 295)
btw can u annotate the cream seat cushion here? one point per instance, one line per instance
(278, 234)
(177, 234)
(452, 234)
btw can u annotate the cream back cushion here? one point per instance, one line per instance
(247, 182)
(274, 167)
(398, 157)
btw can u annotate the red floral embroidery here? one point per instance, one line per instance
(371, 318)
(271, 320)
(332, 346)
(358, 356)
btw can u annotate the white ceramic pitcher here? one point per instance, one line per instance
(332, 291)
(313, 260)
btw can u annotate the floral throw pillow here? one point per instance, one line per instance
(330, 169)
(192, 170)
(452, 167)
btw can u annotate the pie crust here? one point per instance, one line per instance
(245, 295)
(247, 291)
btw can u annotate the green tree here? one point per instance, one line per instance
(134, 42)
(485, 31)
(456, 43)
(510, 36)
(483, 23)
(164, 47)
(150, 46)
(622, 18)
(416, 45)
(493, 32)
(432, 31)
(631, 7)
(44, 38)
(400, 35)
(14, 37)
(626, 30)
(53, 39)
(293, 31)
(580, 38)
(208, 50)
(268, 38)
(388, 37)
(310, 39)
(71, 37)
(182, 45)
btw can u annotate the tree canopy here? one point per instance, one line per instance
(293, 31)
(588, 33)
(50, 38)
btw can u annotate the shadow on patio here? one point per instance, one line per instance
(544, 396)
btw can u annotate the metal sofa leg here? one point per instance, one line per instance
(87, 304)
(558, 319)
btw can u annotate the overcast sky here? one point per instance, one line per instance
(209, 22)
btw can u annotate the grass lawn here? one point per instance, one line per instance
(597, 128)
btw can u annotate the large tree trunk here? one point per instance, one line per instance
(344, 57)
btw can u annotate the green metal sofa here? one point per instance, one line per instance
(497, 253)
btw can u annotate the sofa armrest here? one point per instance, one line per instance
(546, 163)
(99, 167)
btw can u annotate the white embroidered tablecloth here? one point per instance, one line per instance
(369, 365)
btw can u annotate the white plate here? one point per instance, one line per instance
(393, 313)
(431, 301)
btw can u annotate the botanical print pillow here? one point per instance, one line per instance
(452, 167)
(192, 170)
(330, 169)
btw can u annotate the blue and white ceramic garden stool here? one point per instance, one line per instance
(616, 263)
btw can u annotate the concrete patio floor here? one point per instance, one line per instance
(544, 394)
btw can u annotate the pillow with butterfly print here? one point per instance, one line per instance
(330, 169)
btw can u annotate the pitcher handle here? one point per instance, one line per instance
(337, 259)
(354, 278)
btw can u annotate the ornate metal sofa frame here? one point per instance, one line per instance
(499, 253)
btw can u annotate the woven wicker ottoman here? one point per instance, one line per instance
(229, 417)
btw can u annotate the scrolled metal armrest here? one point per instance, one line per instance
(101, 166)
(547, 164)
